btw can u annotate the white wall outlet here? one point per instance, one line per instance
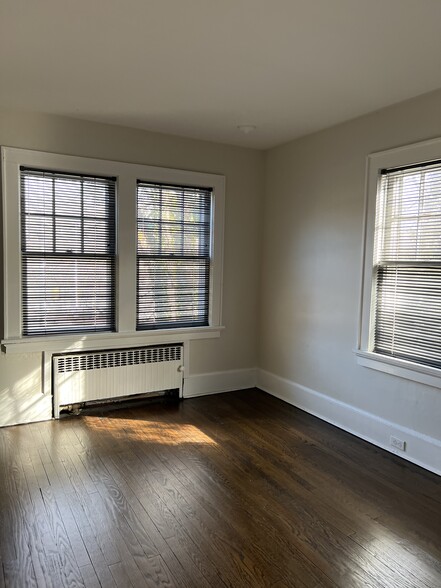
(398, 443)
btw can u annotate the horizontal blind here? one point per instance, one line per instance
(174, 227)
(68, 253)
(407, 265)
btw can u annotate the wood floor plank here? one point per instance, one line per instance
(66, 558)
(155, 572)
(89, 576)
(78, 547)
(102, 529)
(35, 524)
(93, 549)
(120, 576)
(19, 573)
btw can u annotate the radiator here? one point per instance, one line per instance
(103, 375)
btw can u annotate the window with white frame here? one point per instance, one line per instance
(407, 264)
(401, 306)
(67, 252)
(173, 265)
(108, 251)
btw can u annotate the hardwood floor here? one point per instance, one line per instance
(233, 490)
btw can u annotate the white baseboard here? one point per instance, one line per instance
(421, 449)
(217, 382)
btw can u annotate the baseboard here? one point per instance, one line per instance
(217, 382)
(421, 449)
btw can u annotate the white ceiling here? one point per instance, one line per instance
(199, 68)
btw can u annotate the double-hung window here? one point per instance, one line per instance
(67, 253)
(401, 306)
(173, 263)
(99, 254)
(407, 265)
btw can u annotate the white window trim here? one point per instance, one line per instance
(424, 151)
(127, 175)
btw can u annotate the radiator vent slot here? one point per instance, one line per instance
(110, 359)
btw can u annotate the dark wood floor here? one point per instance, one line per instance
(231, 490)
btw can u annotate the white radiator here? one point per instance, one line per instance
(85, 377)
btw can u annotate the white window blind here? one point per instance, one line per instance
(407, 265)
(173, 265)
(67, 252)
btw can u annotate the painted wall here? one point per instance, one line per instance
(310, 288)
(21, 397)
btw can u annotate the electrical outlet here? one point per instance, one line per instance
(398, 443)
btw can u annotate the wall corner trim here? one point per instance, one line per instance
(218, 382)
(421, 449)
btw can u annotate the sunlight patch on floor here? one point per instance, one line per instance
(150, 431)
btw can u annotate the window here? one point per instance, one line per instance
(103, 253)
(407, 265)
(68, 253)
(173, 266)
(401, 305)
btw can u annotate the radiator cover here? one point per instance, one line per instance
(103, 375)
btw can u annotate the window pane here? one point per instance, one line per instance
(38, 192)
(149, 204)
(95, 194)
(96, 237)
(38, 234)
(149, 237)
(68, 196)
(68, 235)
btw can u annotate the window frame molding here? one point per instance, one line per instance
(127, 175)
(413, 154)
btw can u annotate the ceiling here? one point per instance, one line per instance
(200, 68)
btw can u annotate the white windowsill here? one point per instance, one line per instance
(94, 341)
(400, 367)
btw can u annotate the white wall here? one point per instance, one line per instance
(310, 285)
(234, 354)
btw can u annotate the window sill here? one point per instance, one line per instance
(400, 367)
(94, 341)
